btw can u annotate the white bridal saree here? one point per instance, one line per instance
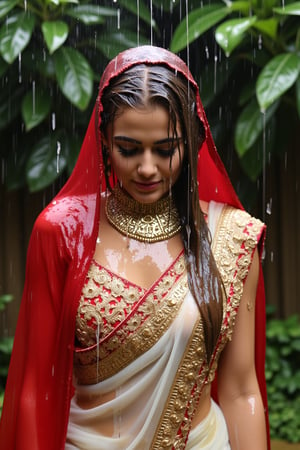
(140, 367)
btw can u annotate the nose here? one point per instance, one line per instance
(147, 164)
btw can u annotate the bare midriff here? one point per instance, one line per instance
(106, 426)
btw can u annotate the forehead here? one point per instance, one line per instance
(152, 118)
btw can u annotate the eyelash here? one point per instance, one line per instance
(132, 152)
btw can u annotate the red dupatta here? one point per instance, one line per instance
(39, 385)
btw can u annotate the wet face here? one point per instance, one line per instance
(145, 153)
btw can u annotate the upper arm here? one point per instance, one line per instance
(236, 370)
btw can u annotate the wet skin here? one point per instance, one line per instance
(147, 161)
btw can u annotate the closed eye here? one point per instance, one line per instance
(127, 152)
(168, 148)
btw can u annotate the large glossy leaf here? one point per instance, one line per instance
(15, 34)
(268, 26)
(231, 33)
(74, 76)
(47, 161)
(6, 6)
(276, 78)
(55, 33)
(91, 14)
(35, 108)
(199, 21)
(293, 9)
(249, 126)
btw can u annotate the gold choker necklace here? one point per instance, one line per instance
(144, 222)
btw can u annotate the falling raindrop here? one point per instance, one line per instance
(151, 27)
(264, 166)
(260, 42)
(138, 22)
(215, 73)
(20, 67)
(118, 19)
(206, 52)
(269, 207)
(33, 97)
(58, 149)
(53, 121)
(187, 33)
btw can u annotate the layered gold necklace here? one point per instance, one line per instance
(144, 222)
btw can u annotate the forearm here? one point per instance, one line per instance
(246, 423)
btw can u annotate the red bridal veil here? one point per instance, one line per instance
(39, 386)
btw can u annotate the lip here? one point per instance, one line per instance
(148, 186)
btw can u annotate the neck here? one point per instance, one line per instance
(146, 222)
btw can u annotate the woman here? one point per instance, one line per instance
(135, 291)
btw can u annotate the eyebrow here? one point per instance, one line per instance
(134, 141)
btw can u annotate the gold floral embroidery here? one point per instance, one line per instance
(235, 240)
(237, 237)
(105, 301)
(132, 335)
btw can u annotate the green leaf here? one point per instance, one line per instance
(140, 10)
(199, 21)
(74, 76)
(4, 300)
(231, 33)
(91, 14)
(249, 126)
(15, 34)
(268, 27)
(6, 6)
(293, 9)
(276, 78)
(6, 345)
(55, 33)
(44, 164)
(35, 108)
(240, 6)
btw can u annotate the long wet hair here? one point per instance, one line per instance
(149, 85)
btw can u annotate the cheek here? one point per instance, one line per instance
(121, 166)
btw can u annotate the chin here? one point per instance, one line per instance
(148, 198)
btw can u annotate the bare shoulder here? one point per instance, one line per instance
(204, 206)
